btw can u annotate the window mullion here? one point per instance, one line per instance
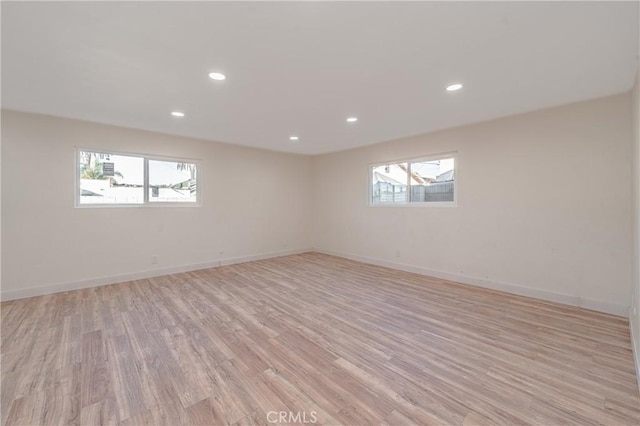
(145, 185)
(408, 183)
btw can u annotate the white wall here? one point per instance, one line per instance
(635, 310)
(543, 208)
(256, 203)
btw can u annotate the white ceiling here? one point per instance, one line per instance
(302, 67)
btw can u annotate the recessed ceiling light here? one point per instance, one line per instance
(454, 87)
(217, 76)
(293, 138)
(352, 119)
(177, 114)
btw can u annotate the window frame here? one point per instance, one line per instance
(145, 183)
(409, 160)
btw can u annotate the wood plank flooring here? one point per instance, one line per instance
(313, 337)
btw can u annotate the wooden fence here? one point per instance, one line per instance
(387, 193)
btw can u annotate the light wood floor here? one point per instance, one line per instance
(319, 336)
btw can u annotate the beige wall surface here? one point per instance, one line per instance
(255, 203)
(543, 206)
(635, 304)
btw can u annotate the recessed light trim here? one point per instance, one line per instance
(454, 87)
(294, 138)
(352, 119)
(177, 114)
(217, 76)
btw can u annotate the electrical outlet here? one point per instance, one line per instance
(154, 260)
(397, 253)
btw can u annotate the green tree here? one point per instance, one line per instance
(91, 167)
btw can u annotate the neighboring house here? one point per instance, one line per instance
(94, 187)
(100, 191)
(395, 174)
(446, 176)
(390, 184)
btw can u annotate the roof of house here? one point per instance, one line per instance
(379, 177)
(445, 177)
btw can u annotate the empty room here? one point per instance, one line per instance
(336, 213)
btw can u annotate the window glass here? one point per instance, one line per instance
(421, 181)
(432, 181)
(389, 184)
(110, 179)
(171, 181)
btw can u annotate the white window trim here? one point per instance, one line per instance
(418, 204)
(145, 189)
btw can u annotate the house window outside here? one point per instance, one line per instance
(117, 179)
(422, 181)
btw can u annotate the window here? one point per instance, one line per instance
(421, 181)
(115, 179)
(172, 182)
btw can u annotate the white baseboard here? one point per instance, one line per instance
(96, 282)
(595, 305)
(635, 349)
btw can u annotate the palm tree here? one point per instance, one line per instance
(192, 170)
(95, 170)
(187, 166)
(87, 158)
